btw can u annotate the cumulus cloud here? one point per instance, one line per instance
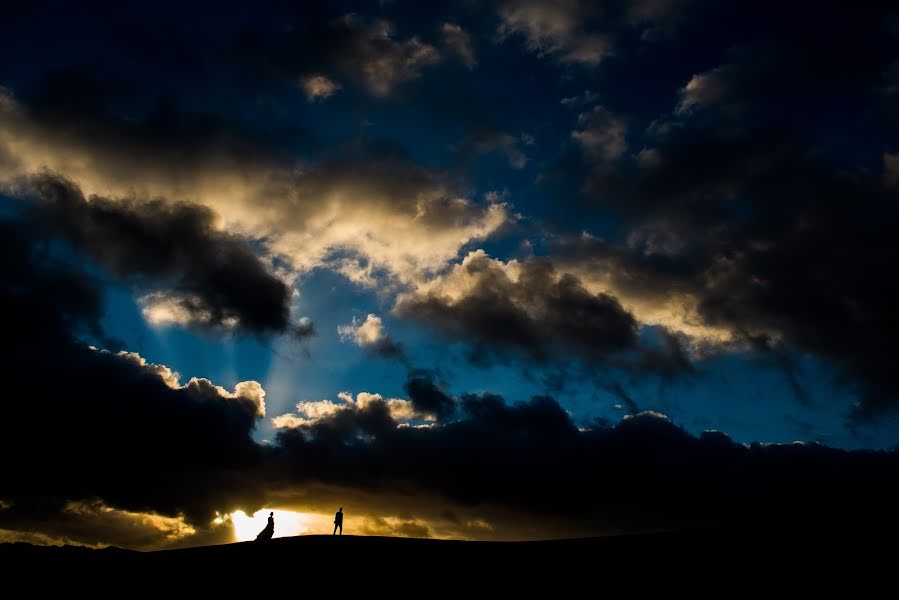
(458, 41)
(521, 455)
(128, 451)
(308, 412)
(218, 280)
(523, 308)
(347, 213)
(287, 420)
(318, 87)
(132, 420)
(426, 397)
(370, 335)
(730, 216)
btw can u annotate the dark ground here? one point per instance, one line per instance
(732, 562)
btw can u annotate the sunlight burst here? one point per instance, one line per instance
(287, 523)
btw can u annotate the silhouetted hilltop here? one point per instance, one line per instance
(799, 559)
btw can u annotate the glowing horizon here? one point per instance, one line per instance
(287, 523)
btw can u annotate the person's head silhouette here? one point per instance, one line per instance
(271, 514)
(340, 509)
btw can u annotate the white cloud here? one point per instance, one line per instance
(248, 391)
(369, 332)
(287, 421)
(162, 309)
(309, 412)
(371, 221)
(313, 410)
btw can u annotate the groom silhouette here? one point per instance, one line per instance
(338, 521)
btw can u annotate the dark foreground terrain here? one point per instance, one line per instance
(733, 562)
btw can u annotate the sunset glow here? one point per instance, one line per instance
(287, 523)
(487, 271)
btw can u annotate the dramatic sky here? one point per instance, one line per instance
(498, 270)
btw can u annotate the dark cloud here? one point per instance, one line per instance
(122, 125)
(735, 169)
(644, 472)
(747, 203)
(349, 45)
(215, 276)
(775, 246)
(485, 141)
(115, 434)
(89, 424)
(427, 397)
(458, 41)
(542, 314)
(538, 315)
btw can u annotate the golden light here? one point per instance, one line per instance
(287, 523)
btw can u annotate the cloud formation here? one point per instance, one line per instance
(129, 449)
(213, 277)
(318, 87)
(524, 308)
(371, 336)
(645, 470)
(113, 426)
(379, 60)
(555, 29)
(347, 213)
(601, 134)
(708, 179)
(458, 41)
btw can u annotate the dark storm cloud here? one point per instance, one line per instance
(215, 275)
(774, 246)
(644, 472)
(89, 424)
(763, 197)
(91, 106)
(539, 315)
(426, 397)
(756, 198)
(115, 433)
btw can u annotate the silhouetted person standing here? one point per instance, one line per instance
(338, 522)
(267, 533)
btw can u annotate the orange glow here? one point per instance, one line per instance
(287, 523)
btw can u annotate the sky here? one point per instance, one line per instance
(511, 269)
